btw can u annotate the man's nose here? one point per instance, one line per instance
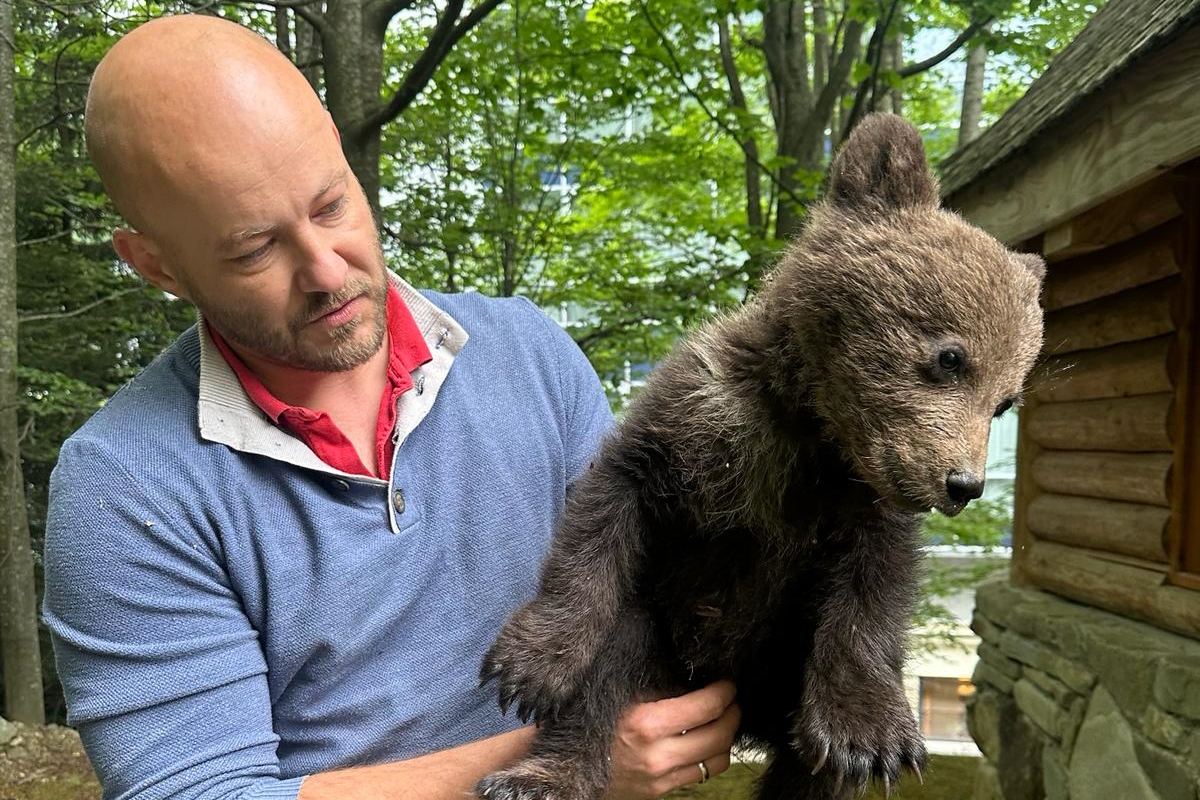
(321, 267)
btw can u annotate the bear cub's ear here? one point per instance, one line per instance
(1032, 262)
(882, 167)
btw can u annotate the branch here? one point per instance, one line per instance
(59, 117)
(879, 45)
(394, 7)
(314, 19)
(860, 93)
(444, 36)
(737, 99)
(76, 312)
(680, 76)
(934, 60)
(41, 239)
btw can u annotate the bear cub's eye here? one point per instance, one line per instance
(950, 360)
(947, 365)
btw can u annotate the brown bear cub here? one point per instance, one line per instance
(755, 515)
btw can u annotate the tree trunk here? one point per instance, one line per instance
(786, 46)
(352, 47)
(737, 99)
(308, 53)
(895, 46)
(19, 648)
(972, 105)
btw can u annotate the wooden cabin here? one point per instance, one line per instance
(1088, 684)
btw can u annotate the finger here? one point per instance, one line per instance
(714, 738)
(693, 709)
(690, 773)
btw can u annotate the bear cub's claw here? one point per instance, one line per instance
(859, 740)
(534, 779)
(537, 663)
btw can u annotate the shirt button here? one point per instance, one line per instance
(398, 501)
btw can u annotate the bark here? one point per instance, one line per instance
(283, 31)
(737, 99)
(895, 49)
(820, 45)
(308, 53)
(972, 105)
(19, 648)
(351, 34)
(786, 47)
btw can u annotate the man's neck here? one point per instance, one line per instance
(351, 398)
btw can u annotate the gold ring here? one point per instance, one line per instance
(703, 772)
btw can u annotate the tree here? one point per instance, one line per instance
(18, 599)
(351, 37)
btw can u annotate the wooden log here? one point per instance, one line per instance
(1122, 370)
(1142, 208)
(1131, 477)
(1128, 425)
(1185, 533)
(1134, 263)
(1140, 313)
(1124, 589)
(1130, 529)
(1025, 489)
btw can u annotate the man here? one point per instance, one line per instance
(275, 559)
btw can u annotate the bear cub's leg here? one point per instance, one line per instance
(569, 759)
(854, 720)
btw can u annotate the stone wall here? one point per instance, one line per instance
(1074, 703)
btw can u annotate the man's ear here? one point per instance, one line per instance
(882, 167)
(336, 133)
(143, 254)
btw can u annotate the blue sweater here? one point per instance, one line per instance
(226, 622)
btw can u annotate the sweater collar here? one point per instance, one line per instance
(228, 416)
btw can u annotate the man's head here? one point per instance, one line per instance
(230, 171)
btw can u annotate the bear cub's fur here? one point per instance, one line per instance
(755, 515)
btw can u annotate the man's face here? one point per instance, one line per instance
(272, 239)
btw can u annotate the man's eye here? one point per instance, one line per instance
(334, 208)
(254, 255)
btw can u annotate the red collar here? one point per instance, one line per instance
(407, 351)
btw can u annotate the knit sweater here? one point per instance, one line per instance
(230, 615)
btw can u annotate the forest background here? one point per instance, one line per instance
(632, 166)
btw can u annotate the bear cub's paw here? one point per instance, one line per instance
(539, 660)
(859, 735)
(532, 779)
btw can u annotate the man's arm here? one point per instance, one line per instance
(444, 775)
(658, 747)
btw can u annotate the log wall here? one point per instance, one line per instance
(1110, 418)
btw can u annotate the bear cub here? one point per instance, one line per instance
(755, 514)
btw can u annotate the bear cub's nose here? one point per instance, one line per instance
(963, 487)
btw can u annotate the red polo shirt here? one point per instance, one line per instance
(407, 351)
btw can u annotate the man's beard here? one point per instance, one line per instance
(287, 346)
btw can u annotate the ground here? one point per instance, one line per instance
(946, 778)
(44, 763)
(48, 763)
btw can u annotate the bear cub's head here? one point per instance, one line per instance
(914, 328)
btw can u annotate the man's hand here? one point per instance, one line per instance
(659, 746)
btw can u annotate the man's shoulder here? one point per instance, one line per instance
(158, 403)
(484, 313)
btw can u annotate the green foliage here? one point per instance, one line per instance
(980, 528)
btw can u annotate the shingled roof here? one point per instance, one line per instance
(1118, 35)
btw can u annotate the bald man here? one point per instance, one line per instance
(275, 559)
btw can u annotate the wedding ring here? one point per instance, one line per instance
(703, 772)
